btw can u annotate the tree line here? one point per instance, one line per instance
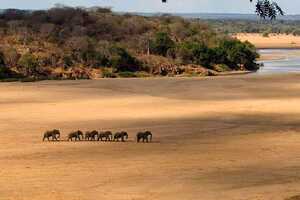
(35, 43)
(253, 26)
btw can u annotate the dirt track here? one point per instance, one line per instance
(214, 138)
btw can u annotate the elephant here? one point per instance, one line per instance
(91, 135)
(144, 136)
(54, 134)
(120, 135)
(107, 135)
(76, 135)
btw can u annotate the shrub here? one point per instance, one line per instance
(266, 34)
(29, 63)
(5, 72)
(142, 74)
(221, 68)
(108, 73)
(122, 61)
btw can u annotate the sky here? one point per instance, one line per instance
(183, 6)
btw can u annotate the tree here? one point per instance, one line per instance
(3, 68)
(5, 72)
(122, 61)
(29, 64)
(239, 54)
(11, 56)
(268, 9)
(161, 44)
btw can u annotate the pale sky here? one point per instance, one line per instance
(207, 6)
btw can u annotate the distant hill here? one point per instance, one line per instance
(206, 16)
(220, 16)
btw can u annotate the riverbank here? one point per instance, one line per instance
(214, 138)
(274, 41)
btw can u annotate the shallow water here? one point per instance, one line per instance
(286, 61)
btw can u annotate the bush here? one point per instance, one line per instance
(29, 64)
(108, 73)
(221, 68)
(161, 44)
(122, 61)
(5, 72)
(266, 34)
(142, 74)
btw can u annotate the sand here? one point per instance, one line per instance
(215, 138)
(273, 41)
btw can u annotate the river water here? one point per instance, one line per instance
(283, 61)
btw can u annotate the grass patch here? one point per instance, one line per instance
(127, 75)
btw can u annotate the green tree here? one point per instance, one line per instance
(28, 64)
(5, 71)
(122, 61)
(161, 44)
(239, 54)
(203, 55)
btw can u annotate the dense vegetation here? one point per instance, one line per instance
(66, 42)
(254, 26)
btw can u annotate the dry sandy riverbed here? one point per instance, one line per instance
(274, 41)
(215, 138)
